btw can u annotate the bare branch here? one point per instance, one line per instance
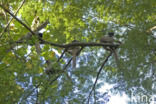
(97, 77)
(61, 74)
(65, 50)
(12, 18)
(28, 35)
(25, 97)
(17, 19)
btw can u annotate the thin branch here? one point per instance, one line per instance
(67, 64)
(61, 74)
(29, 34)
(24, 98)
(12, 18)
(65, 50)
(52, 81)
(97, 77)
(26, 36)
(72, 58)
(17, 19)
(7, 19)
(65, 67)
(54, 44)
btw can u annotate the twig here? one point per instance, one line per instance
(65, 50)
(52, 81)
(60, 74)
(17, 19)
(53, 44)
(29, 34)
(72, 58)
(67, 64)
(98, 76)
(30, 92)
(65, 67)
(12, 18)
(26, 36)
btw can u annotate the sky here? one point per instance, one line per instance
(118, 99)
(114, 99)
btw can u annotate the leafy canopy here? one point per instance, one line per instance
(22, 70)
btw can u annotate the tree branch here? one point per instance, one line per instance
(28, 35)
(50, 43)
(51, 82)
(65, 67)
(12, 18)
(65, 50)
(82, 44)
(17, 19)
(97, 77)
(25, 97)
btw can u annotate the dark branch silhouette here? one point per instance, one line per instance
(29, 34)
(65, 67)
(12, 18)
(97, 77)
(82, 44)
(17, 19)
(65, 50)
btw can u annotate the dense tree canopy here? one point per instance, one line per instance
(25, 56)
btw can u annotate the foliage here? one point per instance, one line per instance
(22, 70)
